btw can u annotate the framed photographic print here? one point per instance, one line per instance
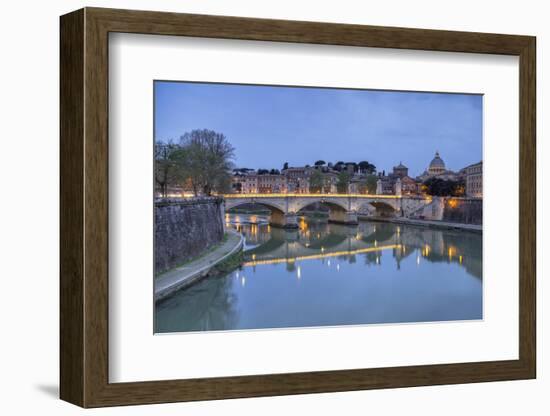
(255, 207)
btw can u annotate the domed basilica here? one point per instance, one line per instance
(437, 169)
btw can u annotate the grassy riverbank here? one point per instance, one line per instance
(198, 257)
(224, 257)
(228, 265)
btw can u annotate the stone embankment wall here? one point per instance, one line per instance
(433, 210)
(449, 209)
(463, 210)
(185, 228)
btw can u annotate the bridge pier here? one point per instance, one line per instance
(343, 217)
(287, 221)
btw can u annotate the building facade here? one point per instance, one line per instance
(409, 186)
(271, 184)
(245, 183)
(401, 170)
(474, 180)
(397, 182)
(297, 179)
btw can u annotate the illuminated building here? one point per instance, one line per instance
(474, 180)
(437, 169)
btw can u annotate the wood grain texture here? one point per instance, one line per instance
(96, 208)
(84, 205)
(71, 208)
(527, 207)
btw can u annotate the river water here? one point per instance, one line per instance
(327, 274)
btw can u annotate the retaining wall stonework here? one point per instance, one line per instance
(185, 228)
(464, 210)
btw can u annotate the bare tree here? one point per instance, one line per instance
(208, 161)
(168, 170)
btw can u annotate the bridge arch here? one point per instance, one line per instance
(272, 206)
(338, 205)
(339, 211)
(279, 216)
(381, 208)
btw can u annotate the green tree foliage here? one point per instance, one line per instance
(320, 163)
(339, 166)
(343, 182)
(316, 182)
(354, 165)
(368, 185)
(442, 187)
(366, 167)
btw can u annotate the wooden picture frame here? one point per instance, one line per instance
(84, 207)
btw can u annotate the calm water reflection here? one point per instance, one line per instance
(327, 274)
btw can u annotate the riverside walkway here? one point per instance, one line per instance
(180, 277)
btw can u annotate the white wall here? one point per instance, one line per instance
(29, 209)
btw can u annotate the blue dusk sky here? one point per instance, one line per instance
(270, 125)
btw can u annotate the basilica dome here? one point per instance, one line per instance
(437, 165)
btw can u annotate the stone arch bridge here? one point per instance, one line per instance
(343, 209)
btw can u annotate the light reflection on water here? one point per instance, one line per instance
(327, 274)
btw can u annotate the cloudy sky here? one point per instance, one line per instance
(272, 125)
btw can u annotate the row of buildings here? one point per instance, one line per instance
(291, 180)
(471, 175)
(298, 179)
